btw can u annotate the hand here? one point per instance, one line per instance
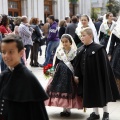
(76, 79)
(109, 57)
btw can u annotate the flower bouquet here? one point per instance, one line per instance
(48, 70)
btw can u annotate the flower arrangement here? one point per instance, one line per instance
(48, 70)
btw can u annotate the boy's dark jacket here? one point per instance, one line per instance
(98, 86)
(24, 97)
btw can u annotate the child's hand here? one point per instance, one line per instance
(76, 79)
(109, 57)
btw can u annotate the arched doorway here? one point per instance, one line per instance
(14, 8)
(47, 8)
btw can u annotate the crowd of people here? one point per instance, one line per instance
(85, 56)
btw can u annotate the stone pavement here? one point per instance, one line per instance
(53, 112)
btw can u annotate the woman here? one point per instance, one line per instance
(35, 37)
(106, 28)
(86, 21)
(4, 26)
(5, 30)
(62, 29)
(114, 52)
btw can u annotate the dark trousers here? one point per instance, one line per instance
(28, 47)
(34, 53)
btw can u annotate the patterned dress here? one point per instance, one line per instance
(62, 89)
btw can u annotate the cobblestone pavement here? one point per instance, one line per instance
(53, 112)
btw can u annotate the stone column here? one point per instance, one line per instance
(66, 11)
(24, 7)
(40, 9)
(55, 8)
(35, 8)
(4, 7)
(84, 8)
(62, 9)
(1, 8)
(29, 9)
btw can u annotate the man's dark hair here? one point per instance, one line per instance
(14, 38)
(57, 20)
(51, 17)
(74, 19)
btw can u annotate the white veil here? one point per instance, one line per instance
(116, 32)
(91, 25)
(73, 46)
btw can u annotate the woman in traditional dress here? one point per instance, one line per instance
(84, 22)
(106, 28)
(114, 52)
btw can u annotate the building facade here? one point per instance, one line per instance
(43, 8)
(99, 6)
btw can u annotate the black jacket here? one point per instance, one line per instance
(97, 83)
(22, 95)
(36, 33)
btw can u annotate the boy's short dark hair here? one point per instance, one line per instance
(14, 38)
(51, 17)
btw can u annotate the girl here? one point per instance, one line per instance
(114, 52)
(62, 88)
(106, 28)
(84, 22)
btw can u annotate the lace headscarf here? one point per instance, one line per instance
(73, 46)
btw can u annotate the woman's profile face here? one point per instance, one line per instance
(84, 21)
(110, 17)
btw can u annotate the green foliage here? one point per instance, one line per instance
(113, 6)
(94, 14)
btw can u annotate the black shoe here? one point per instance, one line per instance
(105, 116)
(62, 114)
(36, 65)
(67, 114)
(93, 116)
(31, 64)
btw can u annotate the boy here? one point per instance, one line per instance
(21, 95)
(96, 80)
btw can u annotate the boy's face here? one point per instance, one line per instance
(86, 39)
(10, 54)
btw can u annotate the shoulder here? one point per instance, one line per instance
(94, 48)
